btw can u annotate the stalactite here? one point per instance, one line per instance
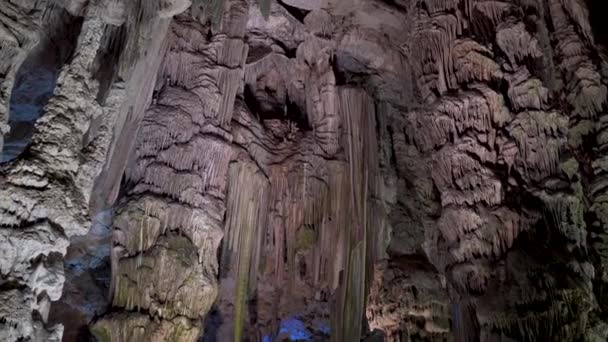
(434, 42)
(359, 113)
(247, 208)
(142, 53)
(473, 62)
(517, 43)
(438, 6)
(213, 10)
(456, 223)
(526, 92)
(566, 214)
(532, 129)
(482, 148)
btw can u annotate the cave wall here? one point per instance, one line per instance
(498, 159)
(16, 44)
(46, 190)
(434, 166)
(36, 77)
(38, 213)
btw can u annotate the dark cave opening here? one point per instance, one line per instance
(35, 81)
(297, 13)
(33, 88)
(264, 103)
(597, 10)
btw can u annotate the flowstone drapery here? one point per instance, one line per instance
(432, 169)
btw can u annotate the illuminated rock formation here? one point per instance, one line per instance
(425, 170)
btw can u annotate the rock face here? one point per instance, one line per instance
(407, 302)
(44, 198)
(329, 170)
(87, 280)
(46, 191)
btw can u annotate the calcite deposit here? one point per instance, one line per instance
(327, 170)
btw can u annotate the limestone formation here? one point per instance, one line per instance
(46, 190)
(340, 170)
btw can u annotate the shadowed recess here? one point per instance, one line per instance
(35, 82)
(597, 15)
(87, 271)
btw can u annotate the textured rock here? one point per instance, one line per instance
(39, 213)
(18, 36)
(175, 187)
(46, 191)
(409, 302)
(87, 280)
(434, 166)
(497, 163)
(138, 327)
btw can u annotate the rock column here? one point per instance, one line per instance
(169, 225)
